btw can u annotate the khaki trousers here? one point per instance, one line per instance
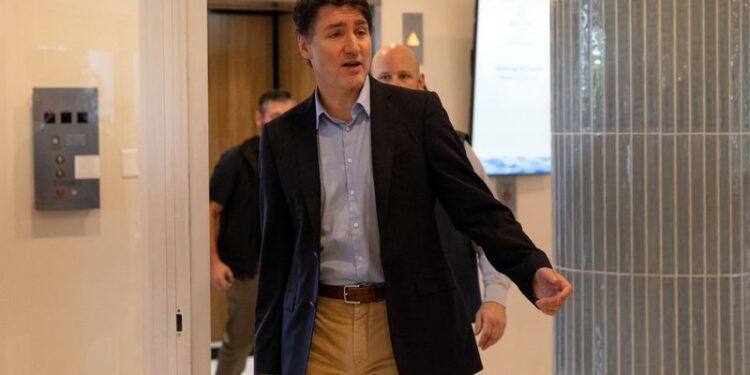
(240, 328)
(351, 340)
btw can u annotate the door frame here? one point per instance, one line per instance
(174, 130)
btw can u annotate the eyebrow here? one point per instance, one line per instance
(334, 25)
(342, 24)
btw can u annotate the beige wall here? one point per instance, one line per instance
(448, 35)
(71, 283)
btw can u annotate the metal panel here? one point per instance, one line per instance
(66, 148)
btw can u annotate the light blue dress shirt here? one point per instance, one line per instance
(349, 225)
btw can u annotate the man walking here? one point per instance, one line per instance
(353, 279)
(235, 236)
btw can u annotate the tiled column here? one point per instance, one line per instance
(651, 133)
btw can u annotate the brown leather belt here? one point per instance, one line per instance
(354, 294)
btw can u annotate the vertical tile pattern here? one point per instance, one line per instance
(651, 145)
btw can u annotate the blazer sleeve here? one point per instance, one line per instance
(275, 260)
(471, 206)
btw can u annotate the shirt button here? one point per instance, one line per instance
(348, 160)
(359, 258)
(356, 225)
(351, 192)
(348, 128)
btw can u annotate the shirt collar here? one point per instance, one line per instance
(361, 104)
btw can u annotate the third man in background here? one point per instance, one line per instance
(396, 64)
(235, 235)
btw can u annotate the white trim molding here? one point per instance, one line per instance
(174, 134)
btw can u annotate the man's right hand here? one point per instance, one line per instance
(221, 276)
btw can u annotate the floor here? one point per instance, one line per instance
(248, 367)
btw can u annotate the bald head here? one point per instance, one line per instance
(396, 64)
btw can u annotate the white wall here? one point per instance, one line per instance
(448, 26)
(71, 283)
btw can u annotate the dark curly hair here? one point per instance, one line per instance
(305, 12)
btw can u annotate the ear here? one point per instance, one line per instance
(258, 119)
(421, 82)
(303, 45)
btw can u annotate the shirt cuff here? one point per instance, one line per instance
(496, 293)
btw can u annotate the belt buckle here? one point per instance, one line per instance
(346, 294)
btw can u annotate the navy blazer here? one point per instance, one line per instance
(416, 159)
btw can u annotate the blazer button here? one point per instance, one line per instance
(312, 304)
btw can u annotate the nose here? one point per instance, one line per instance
(351, 44)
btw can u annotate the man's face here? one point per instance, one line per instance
(272, 109)
(398, 66)
(338, 48)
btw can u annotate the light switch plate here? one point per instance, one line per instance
(130, 163)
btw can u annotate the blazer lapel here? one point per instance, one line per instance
(306, 143)
(382, 121)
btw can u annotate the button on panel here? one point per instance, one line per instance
(82, 117)
(50, 117)
(66, 117)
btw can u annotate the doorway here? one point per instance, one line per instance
(250, 50)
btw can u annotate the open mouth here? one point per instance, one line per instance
(352, 64)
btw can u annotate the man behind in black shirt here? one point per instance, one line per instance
(235, 235)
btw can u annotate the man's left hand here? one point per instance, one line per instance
(490, 322)
(551, 289)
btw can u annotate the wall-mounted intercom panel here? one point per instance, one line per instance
(66, 148)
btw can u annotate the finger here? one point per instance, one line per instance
(544, 309)
(483, 340)
(566, 291)
(216, 281)
(478, 325)
(486, 338)
(559, 298)
(230, 275)
(545, 301)
(549, 305)
(548, 310)
(495, 336)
